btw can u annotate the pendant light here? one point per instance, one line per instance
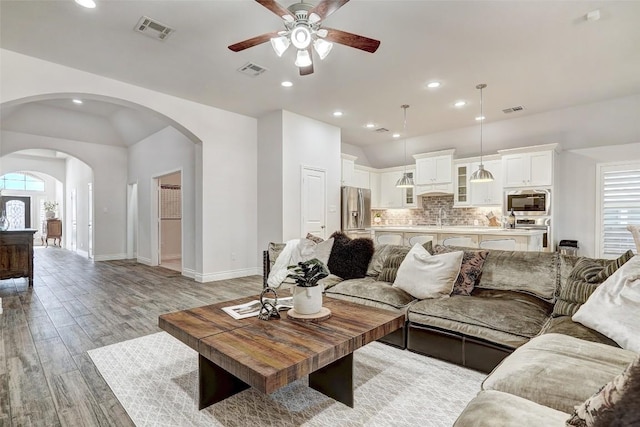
(406, 181)
(481, 175)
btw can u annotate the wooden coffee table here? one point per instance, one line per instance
(267, 355)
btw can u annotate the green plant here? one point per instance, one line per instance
(308, 273)
(50, 206)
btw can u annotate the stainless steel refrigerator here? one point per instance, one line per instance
(356, 208)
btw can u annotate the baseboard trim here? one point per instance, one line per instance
(110, 257)
(225, 275)
(143, 260)
(171, 257)
(187, 272)
(82, 253)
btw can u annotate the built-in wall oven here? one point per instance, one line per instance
(528, 202)
(538, 223)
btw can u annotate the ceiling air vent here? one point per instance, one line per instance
(252, 70)
(153, 28)
(381, 130)
(513, 109)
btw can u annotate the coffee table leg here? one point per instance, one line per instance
(216, 384)
(335, 380)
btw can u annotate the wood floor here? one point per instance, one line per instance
(46, 376)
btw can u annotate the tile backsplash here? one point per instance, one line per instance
(428, 215)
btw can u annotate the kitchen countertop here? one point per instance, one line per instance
(458, 229)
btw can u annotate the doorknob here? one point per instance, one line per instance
(322, 226)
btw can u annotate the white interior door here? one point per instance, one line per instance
(314, 202)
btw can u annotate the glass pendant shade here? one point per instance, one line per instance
(481, 175)
(303, 59)
(280, 44)
(322, 47)
(405, 182)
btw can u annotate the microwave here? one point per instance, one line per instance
(528, 202)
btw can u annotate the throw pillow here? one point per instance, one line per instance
(470, 270)
(612, 267)
(394, 259)
(613, 307)
(626, 412)
(293, 252)
(314, 238)
(350, 257)
(423, 275)
(606, 399)
(578, 286)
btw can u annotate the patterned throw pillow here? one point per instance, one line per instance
(350, 258)
(585, 277)
(470, 270)
(394, 259)
(605, 400)
(314, 238)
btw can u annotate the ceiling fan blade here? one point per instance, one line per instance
(276, 8)
(352, 40)
(305, 71)
(254, 41)
(327, 7)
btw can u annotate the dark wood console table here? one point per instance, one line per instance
(52, 230)
(16, 254)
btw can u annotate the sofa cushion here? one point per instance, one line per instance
(546, 370)
(535, 273)
(423, 275)
(497, 409)
(606, 399)
(564, 325)
(350, 258)
(393, 260)
(576, 289)
(502, 317)
(380, 254)
(371, 292)
(470, 269)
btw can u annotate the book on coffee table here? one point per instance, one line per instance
(252, 308)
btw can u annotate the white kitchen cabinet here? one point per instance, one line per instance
(487, 193)
(528, 169)
(374, 184)
(511, 243)
(461, 196)
(434, 168)
(361, 178)
(411, 239)
(392, 196)
(348, 167)
(462, 240)
(389, 238)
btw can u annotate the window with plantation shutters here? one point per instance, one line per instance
(619, 206)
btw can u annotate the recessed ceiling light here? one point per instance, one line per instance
(370, 125)
(460, 104)
(479, 118)
(396, 135)
(77, 101)
(337, 114)
(89, 4)
(433, 85)
(286, 84)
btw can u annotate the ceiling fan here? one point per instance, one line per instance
(303, 29)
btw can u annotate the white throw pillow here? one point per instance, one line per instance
(423, 275)
(308, 249)
(613, 309)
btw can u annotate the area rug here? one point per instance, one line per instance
(155, 379)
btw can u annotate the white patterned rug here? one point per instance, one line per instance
(155, 379)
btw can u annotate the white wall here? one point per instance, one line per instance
(576, 187)
(228, 154)
(162, 153)
(359, 152)
(288, 141)
(78, 177)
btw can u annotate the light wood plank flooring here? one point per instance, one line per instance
(46, 376)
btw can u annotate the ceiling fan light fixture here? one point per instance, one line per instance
(303, 59)
(322, 47)
(301, 37)
(280, 44)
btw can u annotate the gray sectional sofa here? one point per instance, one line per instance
(510, 312)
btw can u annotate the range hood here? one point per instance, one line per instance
(433, 189)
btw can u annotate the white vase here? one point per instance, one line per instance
(50, 214)
(307, 300)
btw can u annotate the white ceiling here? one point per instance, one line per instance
(543, 55)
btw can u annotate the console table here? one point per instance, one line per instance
(52, 229)
(16, 254)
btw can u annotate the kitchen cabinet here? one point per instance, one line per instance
(374, 184)
(389, 238)
(411, 239)
(511, 243)
(528, 169)
(461, 196)
(360, 178)
(487, 193)
(348, 167)
(392, 196)
(462, 240)
(434, 168)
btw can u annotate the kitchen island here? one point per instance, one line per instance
(466, 236)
